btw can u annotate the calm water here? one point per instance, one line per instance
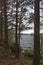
(27, 41)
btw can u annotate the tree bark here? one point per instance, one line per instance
(36, 60)
(6, 40)
(16, 28)
(1, 23)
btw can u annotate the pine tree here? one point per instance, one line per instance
(16, 28)
(36, 60)
(1, 21)
(6, 40)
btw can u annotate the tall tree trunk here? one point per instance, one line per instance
(36, 60)
(17, 43)
(16, 27)
(5, 26)
(1, 22)
(19, 37)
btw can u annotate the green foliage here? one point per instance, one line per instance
(41, 63)
(13, 47)
(28, 53)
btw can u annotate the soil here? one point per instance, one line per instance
(7, 58)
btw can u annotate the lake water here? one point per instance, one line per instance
(27, 41)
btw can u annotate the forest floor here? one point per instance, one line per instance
(11, 61)
(7, 58)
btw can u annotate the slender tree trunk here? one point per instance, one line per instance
(16, 28)
(5, 26)
(19, 37)
(17, 34)
(41, 44)
(36, 60)
(1, 23)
